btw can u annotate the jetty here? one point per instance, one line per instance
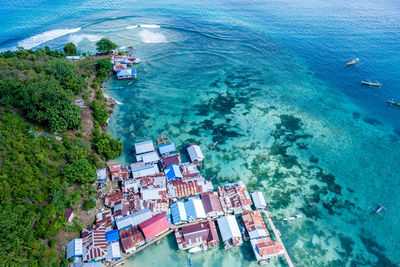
(277, 236)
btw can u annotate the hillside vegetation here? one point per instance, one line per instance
(41, 174)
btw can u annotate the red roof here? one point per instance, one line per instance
(268, 247)
(154, 226)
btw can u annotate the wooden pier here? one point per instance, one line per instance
(277, 236)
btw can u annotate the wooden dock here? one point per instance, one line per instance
(278, 236)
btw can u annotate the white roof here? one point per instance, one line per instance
(195, 153)
(113, 251)
(139, 169)
(148, 157)
(134, 219)
(258, 200)
(195, 209)
(143, 147)
(152, 193)
(74, 248)
(132, 184)
(228, 227)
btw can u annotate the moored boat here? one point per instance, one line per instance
(195, 250)
(393, 103)
(370, 84)
(354, 61)
(298, 216)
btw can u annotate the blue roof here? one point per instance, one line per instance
(173, 172)
(112, 236)
(167, 148)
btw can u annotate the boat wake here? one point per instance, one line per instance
(149, 26)
(44, 37)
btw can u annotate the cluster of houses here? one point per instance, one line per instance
(123, 64)
(159, 194)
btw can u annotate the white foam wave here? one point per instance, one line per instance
(149, 26)
(44, 37)
(150, 37)
(77, 38)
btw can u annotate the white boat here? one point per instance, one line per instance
(195, 250)
(354, 61)
(298, 216)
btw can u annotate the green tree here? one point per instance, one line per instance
(104, 63)
(70, 49)
(100, 113)
(105, 46)
(107, 147)
(65, 73)
(80, 171)
(48, 104)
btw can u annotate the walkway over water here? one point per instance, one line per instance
(278, 236)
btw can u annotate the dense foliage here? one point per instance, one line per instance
(70, 49)
(41, 176)
(105, 145)
(104, 63)
(100, 113)
(48, 104)
(104, 46)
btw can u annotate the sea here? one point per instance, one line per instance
(263, 88)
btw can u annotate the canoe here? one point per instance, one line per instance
(375, 84)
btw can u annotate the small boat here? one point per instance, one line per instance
(370, 84)
(298, 216)
(190, 262)
(195, 250)
(116, 88)
(354, 61)
(148, 62)
(393, 103)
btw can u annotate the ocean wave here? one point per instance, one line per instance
(148, 26)
(150, 37)
(44, 37)
(77, 38)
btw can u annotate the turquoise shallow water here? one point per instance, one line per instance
(268, 83)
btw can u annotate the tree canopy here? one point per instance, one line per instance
(104, 46)
(106, 146)
(48, 104)
(104, 63)
(70, 49)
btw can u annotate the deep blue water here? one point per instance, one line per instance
(268, 81)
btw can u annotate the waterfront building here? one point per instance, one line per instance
(144, 147)
(194, 209)
(258, 200)
(112, 236)
(255, 224)
(94, 247)
(195, 153)
(230, 233)
(234, 198)
(131, 238)
(183, 188)
(113, 199)
(167, 148)
(189, 170)
(265, 249)
(140, 169)
(126, 74)
(74, 249)
(178, 212)
(202, 234)
(114, 168)
(168, 160)
(105, 218)
(149, 157)
(131, 185)
(133, 219)
(154, 226)
(121, 174)
(173, 172)
(212, 205)
(101, 175)
(113, 251)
